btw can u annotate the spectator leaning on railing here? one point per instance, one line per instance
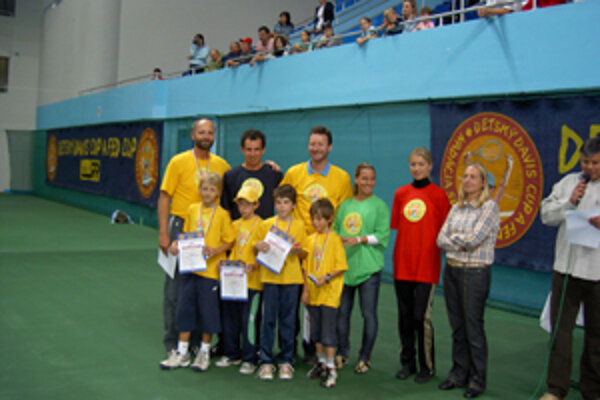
(234, 52)
(409, 11)
(425, 24)
(392, 25)
(246, 55)
(215, 61)
(304, 44)
(328, 39)
(368, 31)
(280, 49)
(284, 26)
(265, 40)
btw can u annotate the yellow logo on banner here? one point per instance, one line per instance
(146, 163)
(51, 158)
(89, 170)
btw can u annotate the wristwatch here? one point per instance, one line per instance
(328, 278)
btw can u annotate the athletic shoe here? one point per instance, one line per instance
(225, 362)
(202, 361)
(265, 372)
(247, 368)
(175, 360)
(550, 396)
(362, 367)
(340, 361)
(286, 371)
(317, 371)
(330, 378)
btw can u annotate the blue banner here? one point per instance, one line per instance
(527, 146)
(116, 160)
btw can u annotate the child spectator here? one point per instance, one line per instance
(281, 291)
(305, 44)
(323, 284)
(284, 26)
(198, 54)
(428, 23)
(391, 25)
(368, 31)
(409, 11)
(237, 314)
(328, 39)
(215, 61)
(198, 302)
(265, 40)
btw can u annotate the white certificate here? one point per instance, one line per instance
(167, 262)
(191, 257)
(280, 244)
(234, 283)
(580, 231)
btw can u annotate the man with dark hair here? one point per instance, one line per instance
(254, 172)
(577, 274)
(245, 55)
(265, 40)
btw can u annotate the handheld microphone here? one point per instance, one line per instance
(585, 178)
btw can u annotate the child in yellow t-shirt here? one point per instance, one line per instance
(281, 291)
(199, 291)
(239, 316)
(323, 284)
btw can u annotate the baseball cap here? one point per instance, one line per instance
(246, 40)
(248, 193)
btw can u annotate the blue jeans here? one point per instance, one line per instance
(369, 295)
(279, 303)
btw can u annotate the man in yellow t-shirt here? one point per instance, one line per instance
(179, 189)
(317, 177)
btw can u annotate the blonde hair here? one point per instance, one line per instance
(211, 178)
(359, 168)
(485, 192)
(422, 152)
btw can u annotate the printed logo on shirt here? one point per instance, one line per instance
(146, 163)
(515, 173)
(414, 210)
(352, 223)
(243, 236)
(203, 220)
(314, 192)
(256, 184)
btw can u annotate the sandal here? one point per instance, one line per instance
(362, 367)
(340, 361)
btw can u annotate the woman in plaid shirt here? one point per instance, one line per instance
(468, 237)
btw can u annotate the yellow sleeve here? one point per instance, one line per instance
(170, 178)
(228, 233)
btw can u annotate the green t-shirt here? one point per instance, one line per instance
(362, 218)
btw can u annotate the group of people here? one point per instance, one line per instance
(339, 235)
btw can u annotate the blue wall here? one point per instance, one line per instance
(551, 49)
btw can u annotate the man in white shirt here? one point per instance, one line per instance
(576, 268)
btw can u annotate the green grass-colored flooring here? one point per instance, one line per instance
(80, 318)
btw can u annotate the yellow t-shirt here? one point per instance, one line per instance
(180, 180)
(333, 258)
(216, 224)
(246, 234)
(291, 273)
(336, 186)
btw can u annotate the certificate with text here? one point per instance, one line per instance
(191, 257)
(280, 244)
(234, 282)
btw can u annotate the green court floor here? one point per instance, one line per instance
(80, 318)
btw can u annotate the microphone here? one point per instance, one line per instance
(585, 178)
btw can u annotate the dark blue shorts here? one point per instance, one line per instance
(198, 304)
(323, 322)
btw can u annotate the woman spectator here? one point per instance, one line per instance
(363, 224)
(284, 26)
(324, 14)
(305, 44)
(427, 23)
(368, 31)
(198, 54)
(409, 11)
(468, 237)
(418, 212)
(280, 49)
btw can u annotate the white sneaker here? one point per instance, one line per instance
(265, 372)
(202, 361)
(247, 368)
(175, 360)
(330, 378)
(286, 371)
(225, 362)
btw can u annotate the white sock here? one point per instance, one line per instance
(321, 358)
(205, 347)
(182, 347)
(330, 363)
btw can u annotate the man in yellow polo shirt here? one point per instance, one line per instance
(317, 177)
(178, 190)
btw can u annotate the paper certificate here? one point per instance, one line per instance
(191, 258)
(280, 244)
(580, 231)
(234, 284)
(167, 262)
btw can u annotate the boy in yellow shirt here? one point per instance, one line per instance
(281, 291)
(199, 291)
(238, 315)
(323, 272)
